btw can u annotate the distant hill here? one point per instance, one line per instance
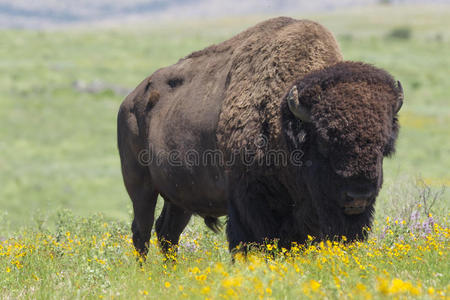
(53, 13)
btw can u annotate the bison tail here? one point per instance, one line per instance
(214, 224)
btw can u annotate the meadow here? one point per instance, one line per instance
(65, 215)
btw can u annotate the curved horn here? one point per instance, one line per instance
(399, 97)
(296, 108)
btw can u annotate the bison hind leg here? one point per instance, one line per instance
(144, 201)
(137, 179)
(213, 223)
(169, 226)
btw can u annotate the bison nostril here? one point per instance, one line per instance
(360, 195)
(357, 202)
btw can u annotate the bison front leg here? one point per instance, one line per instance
(237, 233)
(250, 218)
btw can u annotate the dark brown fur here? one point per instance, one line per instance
(277, 52)
(349, 103)
(223, 98)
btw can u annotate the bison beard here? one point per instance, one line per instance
(261, 212)
(283, 80)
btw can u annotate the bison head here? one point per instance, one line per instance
(344, 119)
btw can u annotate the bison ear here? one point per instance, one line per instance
(299, 111)
(399, 103)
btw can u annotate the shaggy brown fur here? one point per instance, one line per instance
(244, 79)
(227, 96)
(266, 59)
(349, 103)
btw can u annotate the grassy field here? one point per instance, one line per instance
(58, 151)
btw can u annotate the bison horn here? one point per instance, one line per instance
(296, 108)
(399, 97)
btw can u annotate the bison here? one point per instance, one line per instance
(271, 128)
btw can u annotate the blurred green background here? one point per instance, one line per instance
(60, 91)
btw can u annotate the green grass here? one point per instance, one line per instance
(90, 258)
(58, 145)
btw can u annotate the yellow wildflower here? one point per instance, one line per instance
(232, 281)
(200, 277)
(315, 285)
(205, 290)
(383, 285)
